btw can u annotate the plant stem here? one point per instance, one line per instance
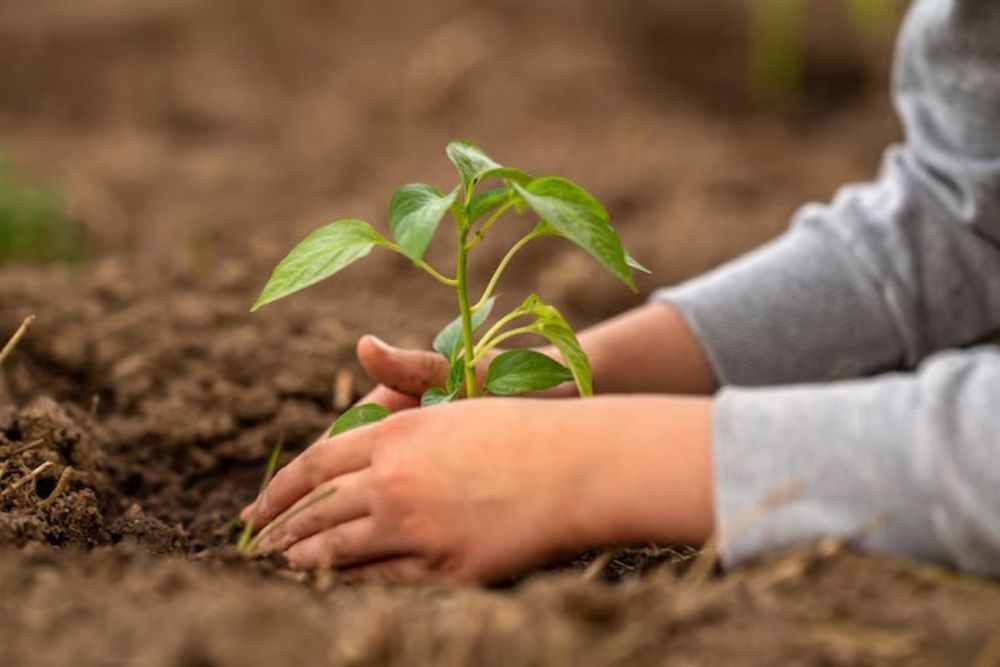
(488, 292)
(489, 223)
(272, 466)
(466, 312)
(434, 273)
(484, 349)
(500, 324)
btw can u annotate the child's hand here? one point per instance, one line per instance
(477, 490)
(648, 349)
(404, 375)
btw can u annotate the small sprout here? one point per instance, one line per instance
(416, 211)
(35, 225)
(272, 466)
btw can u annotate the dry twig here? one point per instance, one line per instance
(23, 448)
(24, 480)
(16, 338)
(60, 487)
(703, 565)
(594, 570)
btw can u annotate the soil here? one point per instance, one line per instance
(195, 141)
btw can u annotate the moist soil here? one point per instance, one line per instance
(195, 141)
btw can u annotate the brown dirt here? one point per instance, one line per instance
(196, 140)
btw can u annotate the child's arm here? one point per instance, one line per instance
(885, 277)
(649, 349)
(477, 490)
(892, 271)
(908, 463)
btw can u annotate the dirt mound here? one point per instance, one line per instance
(183, 403)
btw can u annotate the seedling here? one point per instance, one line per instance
(415, 211)
(246, 537)
(34, 223)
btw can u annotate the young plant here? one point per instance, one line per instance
(34, 223)
(415, 211)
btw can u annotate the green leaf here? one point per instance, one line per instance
(520, 371)
(436, 396)
(320, 255)
(474, 165)
(359, 415)
(415, 211)
(449, 339)
(453, 387)
(573, 213)
(634, 264)
(456, 376)
(486, 202)
(552, 325)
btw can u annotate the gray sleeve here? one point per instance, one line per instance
(908, 463)
(892, 271)
(884, 278)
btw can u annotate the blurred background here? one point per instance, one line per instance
(166, 143)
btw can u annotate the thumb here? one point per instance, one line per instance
(407, 371)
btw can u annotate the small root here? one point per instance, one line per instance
(23, 448)
(593, 571)
(16, 338)
(60, 487)
(24, 480)
(710, 555)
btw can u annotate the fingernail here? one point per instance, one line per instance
(382, 345)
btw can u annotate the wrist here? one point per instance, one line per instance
(652, 480)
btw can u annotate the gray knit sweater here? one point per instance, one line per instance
(853, 348)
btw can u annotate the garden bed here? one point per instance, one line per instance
(194, 143)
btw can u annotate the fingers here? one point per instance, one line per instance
(347, 502)
(393, 401)
(324, 460)
(406, 371)
(356, 541)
